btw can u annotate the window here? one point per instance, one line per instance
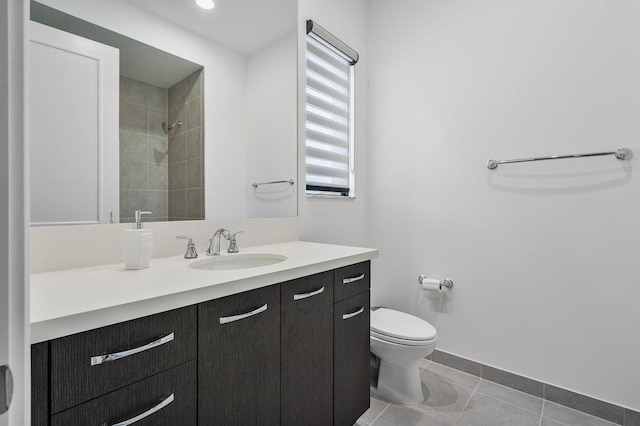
(329, 112)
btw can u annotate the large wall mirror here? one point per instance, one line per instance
(162, 106)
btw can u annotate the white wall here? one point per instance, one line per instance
(271, 116)
(225, 79)
(337, 221)
(544, 255)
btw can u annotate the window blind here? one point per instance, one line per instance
(329, 116)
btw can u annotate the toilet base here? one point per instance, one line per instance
(399, 382)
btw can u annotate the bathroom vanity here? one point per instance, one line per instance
(280, 344)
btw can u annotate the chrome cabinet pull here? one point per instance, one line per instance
(305, 295)
(225, 320)
(95, 360)
(353, 314)
(351, 280)
(155, 409)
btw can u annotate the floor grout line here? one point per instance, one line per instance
(383, 410)
(509, 403)
(469, 401)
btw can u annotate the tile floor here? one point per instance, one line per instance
(456, 398)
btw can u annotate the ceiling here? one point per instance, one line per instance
(137, 60)
(245, 26)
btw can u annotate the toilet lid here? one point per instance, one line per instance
(387, 322)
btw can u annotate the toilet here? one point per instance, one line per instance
(400, 340)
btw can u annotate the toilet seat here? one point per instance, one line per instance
(401, 328)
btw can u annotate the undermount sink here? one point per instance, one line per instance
(237, 261)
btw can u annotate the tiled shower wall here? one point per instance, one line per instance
(186, 149)
(144, 153)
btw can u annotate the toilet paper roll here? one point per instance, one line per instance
(431, 285)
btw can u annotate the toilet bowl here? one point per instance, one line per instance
(400, 340)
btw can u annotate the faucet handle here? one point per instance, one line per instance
(191, 252)
(233, 245)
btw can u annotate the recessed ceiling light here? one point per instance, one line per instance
(205, 4)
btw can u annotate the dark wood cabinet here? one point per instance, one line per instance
(351, 280)
(351, 359)
(40, 384)
(166, 399)
(307, 350)
(239, 359)
(294, 353)
(76, 377)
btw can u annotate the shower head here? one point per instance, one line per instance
(168, 127)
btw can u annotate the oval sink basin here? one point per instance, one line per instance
(237, 261)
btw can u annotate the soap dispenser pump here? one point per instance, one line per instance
(137, 244)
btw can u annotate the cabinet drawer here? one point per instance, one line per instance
(79, 372)
(351, 280)
(351, 359)
(164, 399)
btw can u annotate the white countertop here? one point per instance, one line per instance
(75, 300)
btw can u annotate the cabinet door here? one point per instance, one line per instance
(307, 350)
(166, 399)
(351, 359)
(239, 359)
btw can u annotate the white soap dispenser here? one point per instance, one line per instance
(137, 245)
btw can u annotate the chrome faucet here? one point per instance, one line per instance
(214, 242)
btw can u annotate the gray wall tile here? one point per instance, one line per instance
(194, 143)
(133, 117)
(158, 149)
(143, 157)
(194, 117)
(133, 146)
(194, 173)
(179, 178)
(132, 200)
(158, 177)
(156, 117)
(523, 384)
(159, 204)
(177, 148)
(194, 85)
(457, 362)
(195, 203)
(180, 204)
(595, 407)
(157, 97)
(134, 175)
(133, 91)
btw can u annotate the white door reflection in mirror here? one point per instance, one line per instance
(74, 129)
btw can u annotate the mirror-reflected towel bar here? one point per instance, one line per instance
(257, 184)
(620, 153)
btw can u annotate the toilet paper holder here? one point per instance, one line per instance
(447, 282)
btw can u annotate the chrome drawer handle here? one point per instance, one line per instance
(155, 409)
(225, 320)
(353, 314)
(305, 295)
(95, 360)
(351, 280)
